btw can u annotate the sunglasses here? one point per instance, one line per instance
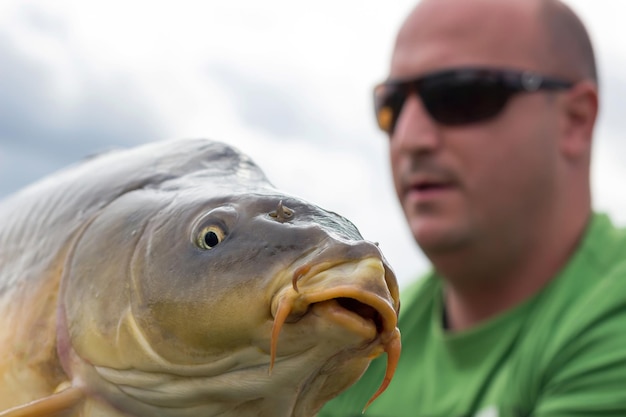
(456, 97)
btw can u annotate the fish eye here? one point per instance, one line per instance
(209, 237)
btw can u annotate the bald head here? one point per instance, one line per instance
(568, 42)
(544, 35)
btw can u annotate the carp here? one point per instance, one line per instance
(173, 279)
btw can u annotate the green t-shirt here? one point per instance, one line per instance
(561, 353)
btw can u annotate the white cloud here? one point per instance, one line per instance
(319, 60)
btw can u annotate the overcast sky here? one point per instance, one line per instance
(287, 82)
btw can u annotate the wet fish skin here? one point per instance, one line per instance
(128, 305)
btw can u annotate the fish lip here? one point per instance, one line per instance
(387, 336)
(355, 300)
(367, 306)
(387, 312)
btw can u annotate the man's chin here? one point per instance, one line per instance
(435, 236)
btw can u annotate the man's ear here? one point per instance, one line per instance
(580, 109)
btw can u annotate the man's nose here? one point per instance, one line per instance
(415, 131)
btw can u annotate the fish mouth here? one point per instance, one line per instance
(362, 310)
(352, 295)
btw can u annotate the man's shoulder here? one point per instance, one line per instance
(603, 298)
(603, 247)
(589, 292)
(585, 347)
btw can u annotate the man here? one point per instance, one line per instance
(490, 107)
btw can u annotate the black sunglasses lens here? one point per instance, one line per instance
(388, 102)
(450, 99)
(458, 102)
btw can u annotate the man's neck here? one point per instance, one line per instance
(480, 285)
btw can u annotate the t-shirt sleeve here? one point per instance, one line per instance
(587, 373)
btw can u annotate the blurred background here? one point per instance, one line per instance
(287, 82)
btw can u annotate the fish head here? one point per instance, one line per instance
(210, 296)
